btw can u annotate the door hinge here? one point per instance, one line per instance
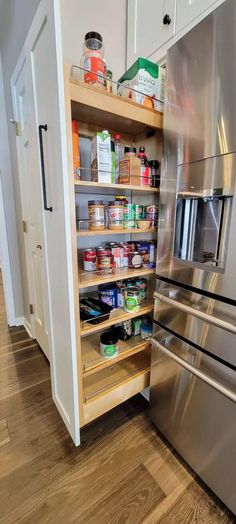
(31, 307)
(24, 226)
(17, 126)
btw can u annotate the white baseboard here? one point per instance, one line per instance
(27, 327)
(18, 321)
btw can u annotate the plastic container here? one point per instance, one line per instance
(96, 210)
(94, 311)
(146, 328)
(130, 165)
(109, 344)
(93, 59)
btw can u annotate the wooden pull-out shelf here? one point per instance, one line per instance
(90, 279)
(117, 187)
(109, 387)
(118, 231)
(93, 361)
(116, 316)
(110, 111)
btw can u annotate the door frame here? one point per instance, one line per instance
(12, 320)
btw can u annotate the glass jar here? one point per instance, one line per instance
(130, 165)
(115, 215)
(93, 59)
(96, 210)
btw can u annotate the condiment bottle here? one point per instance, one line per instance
(129, 166)
(145, 169)
(93, 59)
(155, 173)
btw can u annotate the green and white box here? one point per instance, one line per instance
(148, 80)
(101, 157)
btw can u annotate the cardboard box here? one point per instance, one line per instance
(101, 157)
(148, 79)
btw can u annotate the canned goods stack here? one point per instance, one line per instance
(119, 214)
(133, 255)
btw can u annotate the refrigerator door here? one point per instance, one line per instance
(197, 204)
(193, 404)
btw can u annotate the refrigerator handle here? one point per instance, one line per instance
(196, 372)
(196, 313)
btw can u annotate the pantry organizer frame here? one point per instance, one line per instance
(104, 383)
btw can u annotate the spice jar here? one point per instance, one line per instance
(129, 165)
(96, 210)
(115, 215)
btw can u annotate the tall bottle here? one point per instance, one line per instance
(93, 59)
(145, 169)
(119, 152)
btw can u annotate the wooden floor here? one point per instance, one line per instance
(123, 472)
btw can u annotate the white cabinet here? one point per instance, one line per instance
(188, 10)
(150, 25)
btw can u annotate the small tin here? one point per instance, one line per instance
(90, 259)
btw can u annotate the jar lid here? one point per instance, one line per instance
(93, 34)
(95, 203)
(115, 203)
(154, 163)
(133, 289)
(108, 338)
(130, 149)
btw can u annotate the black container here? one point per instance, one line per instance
(105, 311)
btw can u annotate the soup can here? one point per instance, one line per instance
(129, 216)
(118, 254)
(90, 259)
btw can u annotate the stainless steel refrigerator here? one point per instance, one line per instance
(193, 372)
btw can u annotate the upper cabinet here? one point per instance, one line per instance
(188, 10)
(154, 26)
(150, 25)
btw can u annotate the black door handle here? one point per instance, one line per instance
(167, 20)
(45, 204)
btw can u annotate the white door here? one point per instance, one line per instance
(31, 206)
(43, 50)
(188, 10)
(150, 25)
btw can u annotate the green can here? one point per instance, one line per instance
(129, 216)
(139, 212)
(131, 299)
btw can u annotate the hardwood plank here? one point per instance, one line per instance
(4, 433)
(19, 356)
(197, 506)
(23, 376)
(131, 500)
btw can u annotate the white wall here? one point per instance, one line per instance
(108, 17)
(15, 20)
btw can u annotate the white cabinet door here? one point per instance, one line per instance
(150, 24)
(43, 51)
(188, 10)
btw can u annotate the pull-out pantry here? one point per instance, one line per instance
(123, 263)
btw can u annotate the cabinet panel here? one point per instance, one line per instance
(148, 27)
(188, 10)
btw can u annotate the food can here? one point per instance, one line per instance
(90, 259)
(104, 261)
(125, 255)
(141, 283)
(135, 260)
(146, 328)
(108, 294)
(147, 251)
(132, 299)
(120, 293)
(136, 326)
(129, 216)
(139, 212)
(118, 253)
(103, 251)
(152, 215)
(127, 326)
